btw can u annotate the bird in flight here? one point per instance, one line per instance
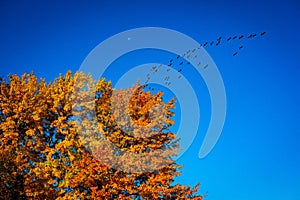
(189, 54)
(263, 33)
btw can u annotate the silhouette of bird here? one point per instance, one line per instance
(195, 56)
(241, 37)
(178, 56)
(199, 64)
(188, 63)
(179, 70)
(200, 46)
(183, 55)
(218, 43)
(189, 51)
(263, 33)
(181, 63)
(240, 47)
(170, 64)
(171, 60)
(205, 43)
(168, 69)
(193, 50)
(179, 76)
(205, 66)
(219, 38)
(234, 37)
(228, 39)
(235, 53)
(212, 42)
(250, 36)
(254, 35)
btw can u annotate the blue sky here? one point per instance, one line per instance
(257, 155)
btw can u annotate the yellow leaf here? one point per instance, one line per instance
(36, 117)
(30, 132)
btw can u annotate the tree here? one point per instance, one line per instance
(88, 145)
(11, 180)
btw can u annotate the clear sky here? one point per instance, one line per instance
(258, 153)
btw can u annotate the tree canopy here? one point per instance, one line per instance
(78, 138)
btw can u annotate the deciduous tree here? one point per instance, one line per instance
(80, 138)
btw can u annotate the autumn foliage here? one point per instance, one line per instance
(97, 144)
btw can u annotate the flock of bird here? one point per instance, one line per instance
(180, 60)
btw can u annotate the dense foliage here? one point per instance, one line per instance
(43, 154)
